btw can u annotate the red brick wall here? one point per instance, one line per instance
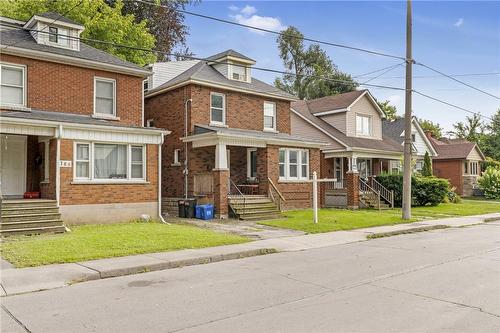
(70, 89)
(451, 170)
(77, 194)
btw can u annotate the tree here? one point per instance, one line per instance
(429, 126)
(427, 168)
(471, 130)
(389, 110)
(164, 21)
(317, 75)
(491, 140)
(101, 21)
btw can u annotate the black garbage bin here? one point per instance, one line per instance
(182, 208)
(190, 208)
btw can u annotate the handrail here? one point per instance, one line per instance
(276, 189)
(239, 193)
(363, 186)
(384, 192)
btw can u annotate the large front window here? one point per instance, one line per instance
(293, 164)
(217, 109)
(364, 167)
(105, 97)
(12, 85)
(269, 116)
(363, 125)
(109, 161)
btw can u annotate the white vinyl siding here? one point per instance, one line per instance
(12, 85)
(217, 109)
(293, 164)
(363, 125)
(270, 116)
(105, 97)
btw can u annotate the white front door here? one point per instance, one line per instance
(13, 164)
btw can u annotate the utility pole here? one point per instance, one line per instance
(408, 104)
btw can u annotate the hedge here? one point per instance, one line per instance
(425, 191)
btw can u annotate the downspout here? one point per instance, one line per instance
(159, 181)
(186, 170)
(58, 162)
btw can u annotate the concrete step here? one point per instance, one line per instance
(33, 231)
(30, 217)
(28, 203)
(250, 202)
(28, 210)
(257, 212)
(253, 206)
(30, 224)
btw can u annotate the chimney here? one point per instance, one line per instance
(428, 134)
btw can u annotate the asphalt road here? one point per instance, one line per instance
(440, 281)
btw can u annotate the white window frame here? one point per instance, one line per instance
(91, 178)
(249, 163)
(52, 34)
(108, 80)
(473, 168)
(24, 86)
(177, 154)
(370, 125)
(300, 176)
(223, 109)
(274, 116)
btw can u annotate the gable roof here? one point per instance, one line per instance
(58, 18)
(386, 144)
(395, 128)
(454, 149)
(229, 53)
(204, 74)
(20, 42)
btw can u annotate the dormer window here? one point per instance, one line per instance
(58, 36)
(239, 72)
(53, 37)
(55, 30)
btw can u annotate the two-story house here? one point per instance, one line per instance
(72, 131)
(231, 135)
(361, 143)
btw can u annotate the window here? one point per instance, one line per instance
(466, 167)
(364, 166)
(217, 109)
(145, 86)
(239, 72)
(363, 125)
(82, 161)
(419, 165)
(474, 168)
(109, 161)
(53, 34)
(12, 87)
(293, 164)
(251, 163)
(395, 166)
(177, 153)
(269, 116)
(105, 97)
(413, 137)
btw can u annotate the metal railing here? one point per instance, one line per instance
(338, 184)
(275, 194)
(385, 193)
(234, 190)
(368, 191)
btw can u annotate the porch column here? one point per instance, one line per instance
(221, 181)
(352, 184)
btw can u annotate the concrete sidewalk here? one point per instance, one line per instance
(24, 280)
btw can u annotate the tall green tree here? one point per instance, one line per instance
(427, 168)
(429, 126)
(101, 21)
(317, 75)
(491, 140)
(471, 130)
(391, 113)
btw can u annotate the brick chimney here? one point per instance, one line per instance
(428, 134)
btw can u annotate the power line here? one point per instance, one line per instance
(56, 19)
(457, 80)
(384, 72)
(275, 32)
(375, 71)
(436, 76)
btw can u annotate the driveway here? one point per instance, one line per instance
(440, 281)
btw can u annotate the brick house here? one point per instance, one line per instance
(361, 144)
(459, 161)
(72, 125)
(237, 134)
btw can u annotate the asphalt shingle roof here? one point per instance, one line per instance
(393, 129)
(231, 53)
(58, 17)
(459, 149)
(335, 102)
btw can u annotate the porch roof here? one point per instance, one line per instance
(205, 135)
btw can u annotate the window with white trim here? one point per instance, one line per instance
(59, 36)
(177, 153)
(239, 72)
(466, 167)
(12, 85)
(105, 97)
(217, 108)
(363, 125)
(53, 34)
(293, 164)
(109, 161)
(270, 116)
(474, 168)
(395, 166)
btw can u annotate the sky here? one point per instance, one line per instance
(454, 37)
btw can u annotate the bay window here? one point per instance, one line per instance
(109, 162)
(269, 116)
(293, 164)
(217, 109)
(12, 85)
(363, 125)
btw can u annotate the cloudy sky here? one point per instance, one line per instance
(454, 37)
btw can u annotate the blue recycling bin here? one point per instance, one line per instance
(199, 208)
(207, 212)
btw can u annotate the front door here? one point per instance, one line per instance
(13, 165)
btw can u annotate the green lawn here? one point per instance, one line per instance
(97, 241)
(342, 219)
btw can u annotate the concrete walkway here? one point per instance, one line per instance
(24, 280)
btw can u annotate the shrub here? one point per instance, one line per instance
(489, 182)
(427, 168)
(490, 162)
(452, 196)
(425, 190)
